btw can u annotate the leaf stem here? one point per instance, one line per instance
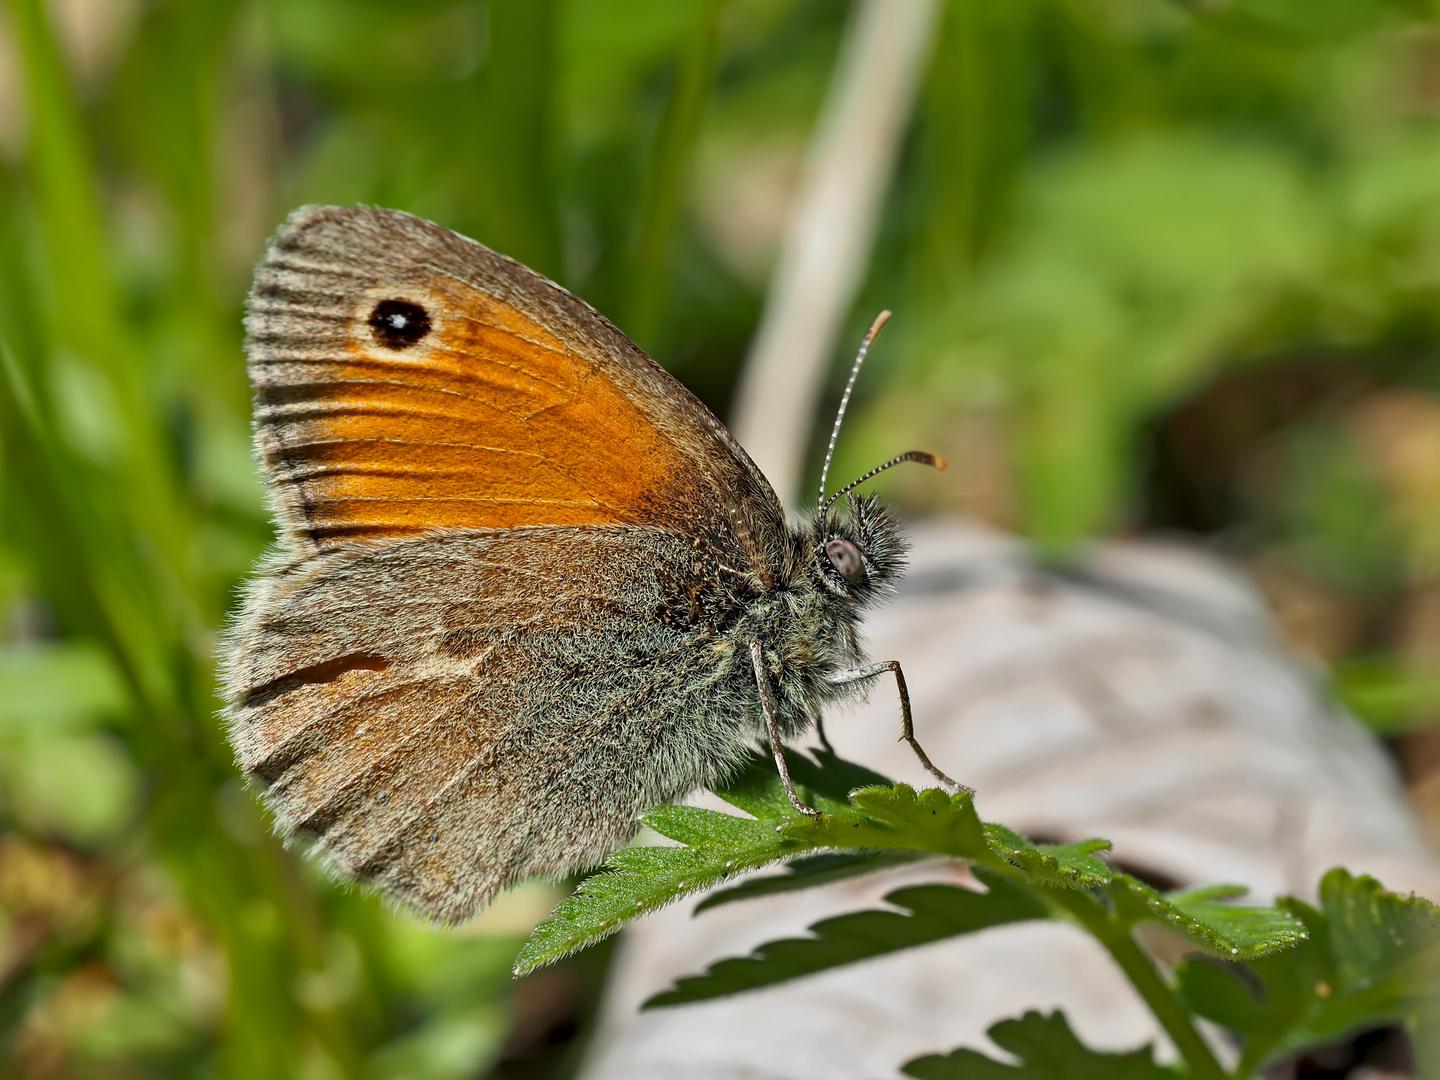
(1148, 983)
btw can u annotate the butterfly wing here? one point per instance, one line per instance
(443, 716)
(512, 547)
(407, 379)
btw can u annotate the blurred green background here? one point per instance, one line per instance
(1157, 266)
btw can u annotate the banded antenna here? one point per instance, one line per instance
(910, 455)
(922, 456)
(875, 328)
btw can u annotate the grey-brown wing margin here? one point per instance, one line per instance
(444, 716)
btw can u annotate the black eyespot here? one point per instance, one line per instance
(398, 324)
(844, 557)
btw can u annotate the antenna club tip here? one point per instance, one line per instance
(938, 462)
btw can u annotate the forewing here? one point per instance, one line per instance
(444, 716)
(519, 405)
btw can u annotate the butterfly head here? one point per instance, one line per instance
(858, 556)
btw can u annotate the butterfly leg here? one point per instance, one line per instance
(854, 675)
(820, 732)
(767, 705)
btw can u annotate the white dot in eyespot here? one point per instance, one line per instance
(399, 324)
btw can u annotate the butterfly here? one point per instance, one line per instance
(525, 584)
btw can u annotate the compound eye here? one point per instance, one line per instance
(845, 557)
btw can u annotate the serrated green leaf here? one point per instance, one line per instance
(1070, 866)
(1200, 916)
(890, 825)
(1045, 1049)
(1365, 962)
(638, 880)
(895, 819)
(1065, 865)
(809, 872)
(900, 817)
(823, 781)
(1374, 933)
(928, 913)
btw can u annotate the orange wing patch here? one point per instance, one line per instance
(487, 419)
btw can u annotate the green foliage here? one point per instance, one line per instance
(943, 911)
(1200, 916)
(927, 913)
(1321, 19)
(714, 846)
(1066, 865)
(66, 684)
(807, 872)
(1368, 957)
(1385, 694)
(1088, 171)
(1046, 1049)
(1362, 958)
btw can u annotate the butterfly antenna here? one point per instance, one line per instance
(924, 458)
(875, 327)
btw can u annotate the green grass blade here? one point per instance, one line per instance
(662, 188)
